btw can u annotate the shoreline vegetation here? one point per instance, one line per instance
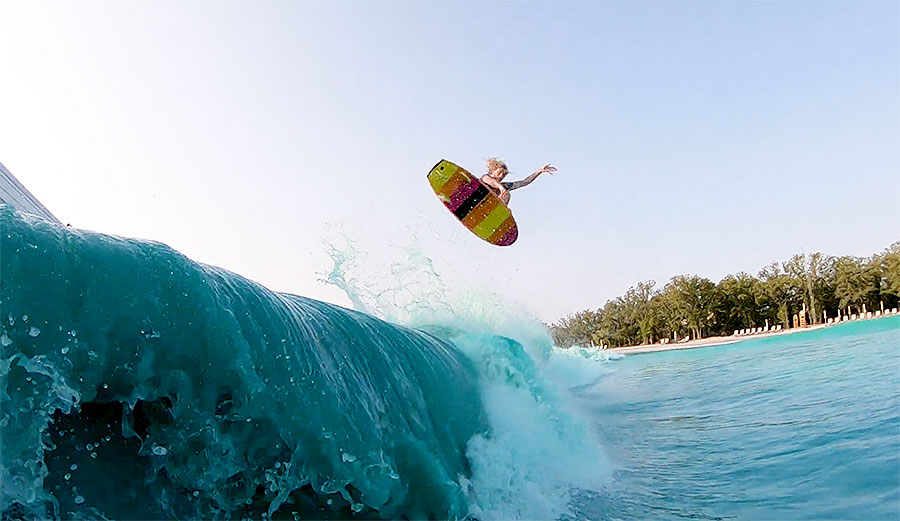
(806, 292)
(734, 339)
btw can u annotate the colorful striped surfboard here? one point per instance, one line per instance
(473, 204)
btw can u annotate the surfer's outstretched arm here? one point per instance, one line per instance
(527, 181)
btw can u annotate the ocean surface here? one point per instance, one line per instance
(136, 383)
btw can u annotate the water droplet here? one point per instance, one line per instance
(348, 458)
(94, 455)
(79, 499)
(68, 476)
(5, 340)
(34, 332)
(73, 467)
(90, 446)
(159, 450)
(24, 318)
(196, 493)
(64, 350)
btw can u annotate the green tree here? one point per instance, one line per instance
(888, 264)
(641, 320)
(739, 305)
(856, 282)
(694, 299)
(802, 269)
(783, 292)
(823, 284)
(616, 328)
(578, 329)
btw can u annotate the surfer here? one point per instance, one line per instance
(497, 170)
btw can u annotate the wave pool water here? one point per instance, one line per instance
(138, 384)
(802, 426)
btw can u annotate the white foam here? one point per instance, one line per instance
(540, 449)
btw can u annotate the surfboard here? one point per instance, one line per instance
(476, 207)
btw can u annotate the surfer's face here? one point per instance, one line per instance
(499, 172)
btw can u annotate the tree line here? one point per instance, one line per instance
(694, 306)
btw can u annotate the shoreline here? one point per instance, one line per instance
(723, 340)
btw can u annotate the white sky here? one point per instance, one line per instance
(703, 138)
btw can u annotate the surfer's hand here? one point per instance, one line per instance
(548, 168)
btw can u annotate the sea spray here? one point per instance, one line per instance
(540, 451)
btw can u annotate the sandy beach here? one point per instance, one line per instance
(714, 340)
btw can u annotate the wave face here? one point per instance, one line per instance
(138, 384)
(193, 392)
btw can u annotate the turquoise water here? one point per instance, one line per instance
(803, 426)
(136, 383)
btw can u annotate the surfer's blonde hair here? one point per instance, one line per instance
(493, 163)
